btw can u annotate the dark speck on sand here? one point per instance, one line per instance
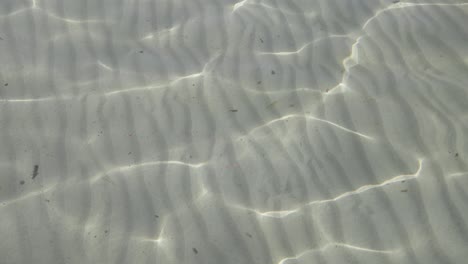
(35, 171)
(233, 110)
(195, 250)
(273, 72)
(22, 182)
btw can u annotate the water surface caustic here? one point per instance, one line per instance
(250, 132)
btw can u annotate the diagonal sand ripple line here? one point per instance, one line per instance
(406, 5)
(334, 246)
(128, 168)
(285, 53)
(161, 33)
(307, 117)
(105, 66)
(238, 5)
(28, 195)
(364, 188)
(155, 87)
(159, 239)
(285, 213)
(69, 20)
(458, 174)
(30, 100)
(16, 12)
(352, 60)
(168, 84)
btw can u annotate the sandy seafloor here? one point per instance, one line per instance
(216, 131)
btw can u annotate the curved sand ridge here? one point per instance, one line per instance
(213, 131)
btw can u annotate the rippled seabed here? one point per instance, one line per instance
(215, 131)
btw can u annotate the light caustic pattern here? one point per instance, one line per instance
(219, 131)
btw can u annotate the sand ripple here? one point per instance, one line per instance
(219, 131)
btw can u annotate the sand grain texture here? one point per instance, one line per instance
(216, 131)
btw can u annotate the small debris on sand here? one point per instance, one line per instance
(35, 171)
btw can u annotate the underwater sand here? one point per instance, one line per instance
(216, 131)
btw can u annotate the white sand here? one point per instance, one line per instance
(215, 131)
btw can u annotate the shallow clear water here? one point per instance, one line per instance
(216, 131)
